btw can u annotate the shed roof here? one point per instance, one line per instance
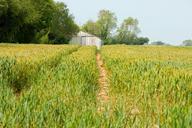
(81, 33)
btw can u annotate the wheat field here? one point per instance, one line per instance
(57, 86)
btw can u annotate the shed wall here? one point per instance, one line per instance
(91, 41)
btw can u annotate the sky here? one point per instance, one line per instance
(169, 21)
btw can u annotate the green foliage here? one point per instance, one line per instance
(18, 13)
(3, 7)
(158, 43)
(62, 26)
(130, 41)
(127, 33)
(44, 39)
(107, 22)
(141, 41)
(129, 28)
(91, 27)
(187, 43)
(103, 27)
(28, 21)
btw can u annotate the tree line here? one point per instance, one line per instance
(46, 21)
(50, 22)
(35, 21)
(106, 28)
(187, 43)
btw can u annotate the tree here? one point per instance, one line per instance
(187, 43)
(128, 30)
(3, 7)
(91, 27)
(103, 27)
(158, 43)
(141, 41)
(107, 22)
(127, 33)
(46, 9)
(40, 21)
(14, 15)
(62, 26)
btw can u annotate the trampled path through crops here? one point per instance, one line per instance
(70, 86)
(103, 95)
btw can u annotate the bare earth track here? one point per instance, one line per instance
(103, 95)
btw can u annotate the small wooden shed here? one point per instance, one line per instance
(84, 38)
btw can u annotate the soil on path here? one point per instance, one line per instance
(103, 94)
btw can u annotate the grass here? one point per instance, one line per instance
(64, 95)
(20, 64)
(150, 86)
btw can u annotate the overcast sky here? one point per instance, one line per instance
(165, 20)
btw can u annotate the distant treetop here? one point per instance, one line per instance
(187, 43)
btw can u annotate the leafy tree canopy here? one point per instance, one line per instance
(158, 43)
(28, 21)
(107, 22)
(103, 27)
(91, 27)
(187, 43)
(127, 33)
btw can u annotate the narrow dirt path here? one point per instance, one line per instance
(103, 95)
